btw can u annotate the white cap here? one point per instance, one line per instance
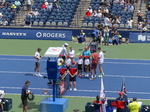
(0, 14)
(139, 11)
(87, 9)
(66, 44)
(46, 3)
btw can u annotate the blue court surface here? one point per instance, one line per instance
(13, 70)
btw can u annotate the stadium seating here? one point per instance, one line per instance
(115, 9)
(57, 17)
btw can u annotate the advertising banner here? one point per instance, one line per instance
(36, 34)
(139, 37)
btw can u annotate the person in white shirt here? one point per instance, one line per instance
(87, 66)
(107, 21)
(80, 64)
(99, 14)
(36, 13)
(71, 53)
(5, 22)
(29, 4)
(94, 13)
(101, 61)
(37, 62)
(129, 23)
(90, 9)
(68, 61)
(64, 51)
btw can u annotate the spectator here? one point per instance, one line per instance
(107, 3)
(144, 29)
(106, 35)
(71, 53)
(94, 13)
(131, 8)
(50, 6)
(27, 23)
(88, 13)
(134, 106)
(114, 31)
(36, 13)
(148, 21)
(5, 22)
(100, 28)
(107, 20)
(18, 4)
(43, 6)
(140, 26)
(118, 19)
(105, 11)
(90, 9)
(1, 16)
(99, 14)
(56, 4)
(29, 4)
(13, 8)
(140, 18)
(100, 39)
(95, 35)
(30, 14)
(148, 8)
(129, 23)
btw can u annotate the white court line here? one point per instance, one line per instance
(64, 96)
(76, 57)
(76, 91)
(46, 60)
(46, 73)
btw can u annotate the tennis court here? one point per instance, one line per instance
(14, 66)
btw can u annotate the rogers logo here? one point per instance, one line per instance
(38, 34)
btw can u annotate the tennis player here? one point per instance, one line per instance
(24, 94)
(100, 61)
(37, 62)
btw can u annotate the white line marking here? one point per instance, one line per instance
(128, 63)
(77, 90)
(70, 96)
(104, 75)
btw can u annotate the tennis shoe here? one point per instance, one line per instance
(99, 75)
(75, 89)
(34, 74)
(70, 89)
(39, 75)
(103, 74)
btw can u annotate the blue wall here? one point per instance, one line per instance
(49, 34)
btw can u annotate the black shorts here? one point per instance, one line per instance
(79, 66)
(24, 100)
(72, 78)
(37, 64)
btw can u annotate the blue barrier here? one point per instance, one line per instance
(38, 34)
(139, 37)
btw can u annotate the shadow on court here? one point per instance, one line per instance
(31, 105)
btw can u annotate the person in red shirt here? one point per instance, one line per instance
(88, 13)
(97, 104)
(43, 6)
(120, 103)
(94, 64)
(73, 72)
